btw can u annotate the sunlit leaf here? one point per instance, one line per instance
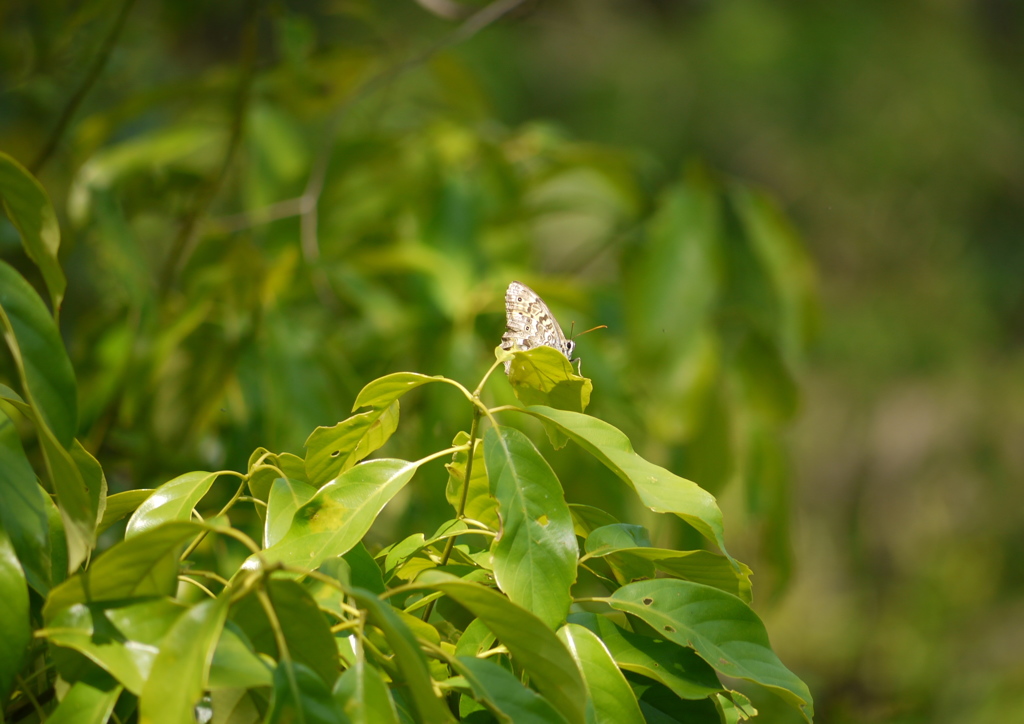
(332, 450)
(535, 554)
(543, 376)
(608, 692)
(28, 207)
(89, 701)
(286, 496)
(122, 638)
(146, 565)
(174, 500)
(721, 628)
(586, 519)
(532, 643)
(480, 505)
(659, 489)
(340, 513)
(121, 504)
(180, 671)
(384, 390)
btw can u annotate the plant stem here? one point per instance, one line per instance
(450, 543)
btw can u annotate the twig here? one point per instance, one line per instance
(187, 239)
(99, 62)
(306, 205)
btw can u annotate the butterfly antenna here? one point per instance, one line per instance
(600, 326)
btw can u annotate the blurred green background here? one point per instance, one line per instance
(802, 223)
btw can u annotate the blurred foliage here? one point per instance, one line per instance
(205, 318)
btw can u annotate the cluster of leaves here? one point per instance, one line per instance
(255, 237)
(486, 619)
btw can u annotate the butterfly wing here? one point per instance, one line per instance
(529, 323)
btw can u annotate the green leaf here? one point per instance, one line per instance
(384, 390)
(480, 505)
(586, 519)
(263, 474)
(364, 696)
(305, 629)
(48, 385)
(286, 496)
(533, 645)
(48, 380)
(23, 509)
(627, 549)
(147, 565)
(659, 490)
(734, 708)
(300, 695)
(235, 663)
(180, 671)
(677, 667)
(121, 504)
(535, 554)
(237, 706)
(429, 707)
(28, 207)
(58, 541)
(608, 692)
(93, 477)
(339, 515)
(719, 627)
(15, 628)
(544, 376)
(505, 695)
(89, 701)
(121, 637)
(332, 450)
(174, 500)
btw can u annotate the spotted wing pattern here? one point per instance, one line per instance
(529, 323)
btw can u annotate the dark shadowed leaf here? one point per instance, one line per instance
(15, 629)
(677, 667)
(721, 628)
(410, 660)
(504, 695)
(531, 642)
(235, 663)
(29, 209)
(305, 629)
(300, 696)
(23, 509)
(121, 504)
(363, 695)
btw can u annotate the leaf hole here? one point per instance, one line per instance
(648, 601)
(336, 453)
(670, 629)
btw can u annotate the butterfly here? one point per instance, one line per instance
(529, 323)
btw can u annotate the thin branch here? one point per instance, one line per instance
(98, 63)
(188, 237)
